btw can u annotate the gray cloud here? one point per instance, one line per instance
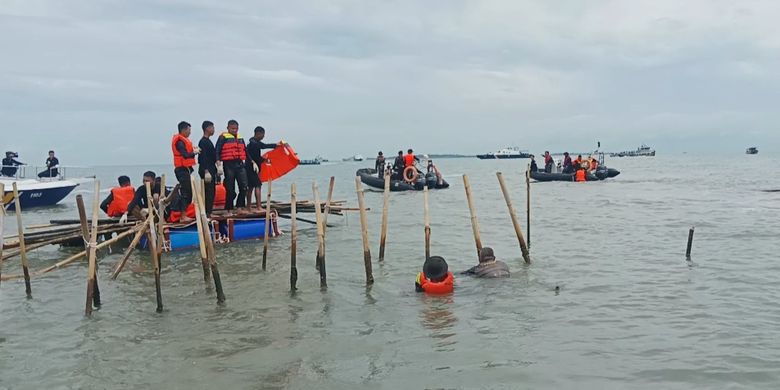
(356, 76)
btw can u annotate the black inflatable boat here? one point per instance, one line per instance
(369, 177)
(601, 173)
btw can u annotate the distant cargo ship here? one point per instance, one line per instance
(642, 151)
(511, 152)
(751, 150)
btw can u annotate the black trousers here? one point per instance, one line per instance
(209, 189)
(49, 173)
(235, 173)
(185, 188)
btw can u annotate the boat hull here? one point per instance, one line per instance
(600, 174)
(38, 194)
(369, 178)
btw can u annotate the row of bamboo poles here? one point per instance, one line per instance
(154, 227)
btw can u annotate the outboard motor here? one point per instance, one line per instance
(430, 180)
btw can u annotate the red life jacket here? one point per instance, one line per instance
(175, 216)
(179, 160)
(446, 286)
(580, 175)
(409, 160)
(233, 148)
(220, 194)
(122, 196)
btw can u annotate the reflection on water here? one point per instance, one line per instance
(437, 316)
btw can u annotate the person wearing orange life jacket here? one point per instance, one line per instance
(231, 157)
(435, 277)
(115, 204)
(409, 161)
(593, 163)
(183, 161)
(581, 174)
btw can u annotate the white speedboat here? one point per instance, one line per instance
(36, 193)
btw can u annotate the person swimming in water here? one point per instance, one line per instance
(488, 266)
(435, 277)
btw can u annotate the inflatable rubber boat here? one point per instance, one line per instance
(369, 177)
(600, 173)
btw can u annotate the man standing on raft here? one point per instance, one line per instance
(254, 164)
(231, 155)
(183, 161)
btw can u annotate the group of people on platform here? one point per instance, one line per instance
(403, 167)
(579, 166)
(230, 162)
(11, 165)
(436, 278)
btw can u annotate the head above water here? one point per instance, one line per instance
(232, 126)
(486, 255)
(123, 181)
(435, 268)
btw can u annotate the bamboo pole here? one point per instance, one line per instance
(153, 245)
(86, 237)
(320, 262)
(473, 212)
(92, 268)
(385, 206)
(138, 234)
(199, 224)
(513, 215)
(293, 239)
(210, 248)
(70, 260)
(364, 231)
(22, 251)
(690, 244)
(331, 185)
(2, 226)
(267, 223)
(427, 224)
(528, 204)
(161, 223)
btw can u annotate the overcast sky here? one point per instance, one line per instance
(106, 82)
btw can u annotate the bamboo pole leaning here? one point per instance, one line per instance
(92, 268)
(320, 262)
(473, 212)
(196, 190)
(293, 239)
(528, 204)
(71, 259)
(267, 223)
(364, 231)
(153, 245)
(139, 232)
(513, 216)
(84, 224)
(22, 251)
(201, 205)
(385, 206)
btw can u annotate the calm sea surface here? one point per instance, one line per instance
(631, 311)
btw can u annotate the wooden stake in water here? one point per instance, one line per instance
(2, 226)
(513, 215)
(86, 237)
(22, 248)
(153, 245)
(427, 224)
(690, 244)
(473, 212)
(204, 261)
(320, 236)
(528, 204)
(331, 185)
(92, 246)
(138, 234)
(293, 239)
(210, 246)
(385, 206)
(364, 231)
(267, 223)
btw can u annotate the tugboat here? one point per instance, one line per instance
(510, 152)
(642, 151)
(751, 150)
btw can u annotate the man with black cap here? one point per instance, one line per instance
(435, 277)
(379, 165)
(488, 266)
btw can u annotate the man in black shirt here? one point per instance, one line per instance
(140, 200)
(398, 165)
(254, 164)
(379, 165)
(207, 165)
(51, 166)
(10, 164)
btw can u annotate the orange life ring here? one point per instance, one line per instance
(413, 178)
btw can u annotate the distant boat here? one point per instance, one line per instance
(357, 157)
(642, 151)
(751, 150)
(317, 161)
(510, 152)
